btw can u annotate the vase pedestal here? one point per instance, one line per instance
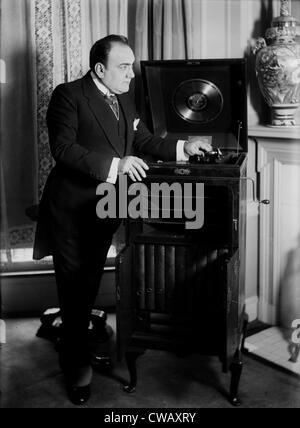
(283, 115)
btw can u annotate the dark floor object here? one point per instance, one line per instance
(51, 324)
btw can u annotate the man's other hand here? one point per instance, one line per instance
(134, 167)
(196, 146)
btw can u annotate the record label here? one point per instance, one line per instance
(198, 101)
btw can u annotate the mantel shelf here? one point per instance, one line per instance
(261, 131)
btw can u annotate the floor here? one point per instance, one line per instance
(31, 378)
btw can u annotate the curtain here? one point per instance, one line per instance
(43, 43)
(18, 123)
(167, 29)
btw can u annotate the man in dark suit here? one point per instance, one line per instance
(93, 130)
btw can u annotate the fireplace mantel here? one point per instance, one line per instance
(260, 131)
(277, 167)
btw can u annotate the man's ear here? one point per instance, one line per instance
(99, 70)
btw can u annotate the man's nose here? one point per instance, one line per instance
(131, 73)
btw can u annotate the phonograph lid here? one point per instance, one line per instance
(198, 97)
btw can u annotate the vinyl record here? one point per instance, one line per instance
(198, 101)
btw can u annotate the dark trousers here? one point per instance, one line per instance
(79, 259)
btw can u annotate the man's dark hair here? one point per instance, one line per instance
(100, 50)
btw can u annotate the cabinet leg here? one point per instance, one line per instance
(131, 358)
(237, 367)
(244, 334)
(236, 371)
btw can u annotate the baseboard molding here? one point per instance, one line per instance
(267, 312)
(36, 293)
(252, 308)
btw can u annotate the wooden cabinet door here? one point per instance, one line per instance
(124, 299)
(233, 309)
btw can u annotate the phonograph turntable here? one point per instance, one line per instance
(178, 289)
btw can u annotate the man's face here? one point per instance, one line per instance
(117, 74)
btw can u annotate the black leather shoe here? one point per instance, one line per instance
(79, 394)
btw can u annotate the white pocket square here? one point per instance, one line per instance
(135, 124)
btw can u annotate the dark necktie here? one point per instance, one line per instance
(112, 101)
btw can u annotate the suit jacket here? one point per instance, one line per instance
(84, 139)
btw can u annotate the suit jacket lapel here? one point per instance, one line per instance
(102, 112)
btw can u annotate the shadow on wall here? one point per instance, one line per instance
(289, 301)
(289, 291)
(259, 29)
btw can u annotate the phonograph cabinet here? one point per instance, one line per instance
(182, 289)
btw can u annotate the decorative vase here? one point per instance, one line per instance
(278, 68)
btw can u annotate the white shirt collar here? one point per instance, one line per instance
(102, 88)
